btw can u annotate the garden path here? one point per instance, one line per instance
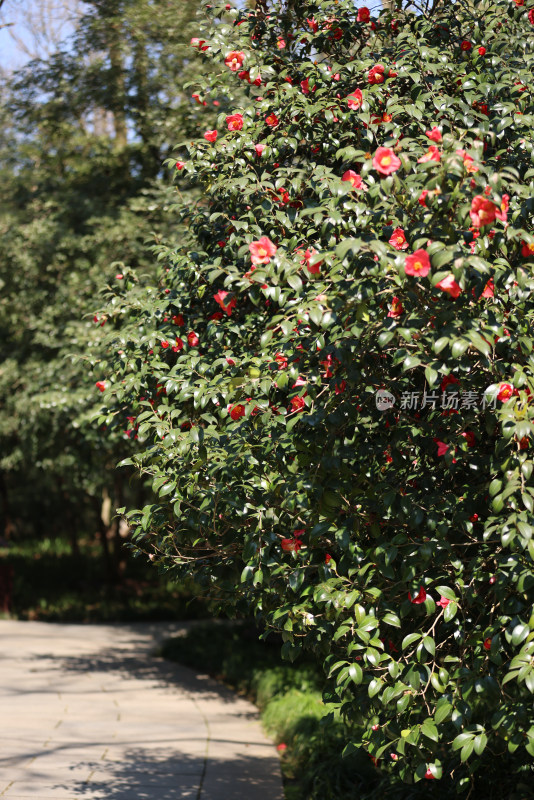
(87, 711)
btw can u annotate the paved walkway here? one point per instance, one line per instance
(86, 711)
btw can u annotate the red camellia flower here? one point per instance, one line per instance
(234, 60)
(483, 211)
(376, 74)
(308, 255)
(434, 135)
(429, 776)
(192, 339)
(506, 391)
(466, 45)
(364, 15)
(305, 86)
(327, 558)
(353, 178)
(398, 239)
(272, 120)
(487, 643)
(417, 264)
(180, 165)
(313, 25)
(262, 251)
(422, 197)
(101, 386)
(259, 148)
(164, 344)
(482, 51)
(281, 747)
(433, 154)
(450, 286)
(178, 346)
(210, 136)
(443, 602)
(502, 212)
(470, 438)
(237, 411)
(527, 250)
(355, 100)
(292, 545)
(531, 16)
(178, 320)
(489, 289)
(234, 122)
(396, 309)
(442, 447)
(385, 161)
(220, 297)
(419, 598)
(297, 403)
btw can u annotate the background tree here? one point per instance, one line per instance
(83, 196)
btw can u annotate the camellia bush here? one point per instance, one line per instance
(333, 378)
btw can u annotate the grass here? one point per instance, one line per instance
(52, 584)
(289, 697)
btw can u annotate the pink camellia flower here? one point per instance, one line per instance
(443, 602)
(259, 148)
(376, 74)
(262, 250)
(192, 339)
(385, 161)
(210, 136)
(417, 264)
(272, 120)
(234, 122)
(429, 776)
(364, 15)
(355, 100)
(292, 545)
(434, 135)
(442, 447)
(506, 391)
(398, 239)
(237, 411)
(234, 60)
(433, 154)
(227, 307)
(483, 211)
(396, 309)
(306, 259)
(353, 178)
(282, 747)
(419, 598)
(450, 286)
(101, 386)
(195, 42)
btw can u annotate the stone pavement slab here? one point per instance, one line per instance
(87, 711)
